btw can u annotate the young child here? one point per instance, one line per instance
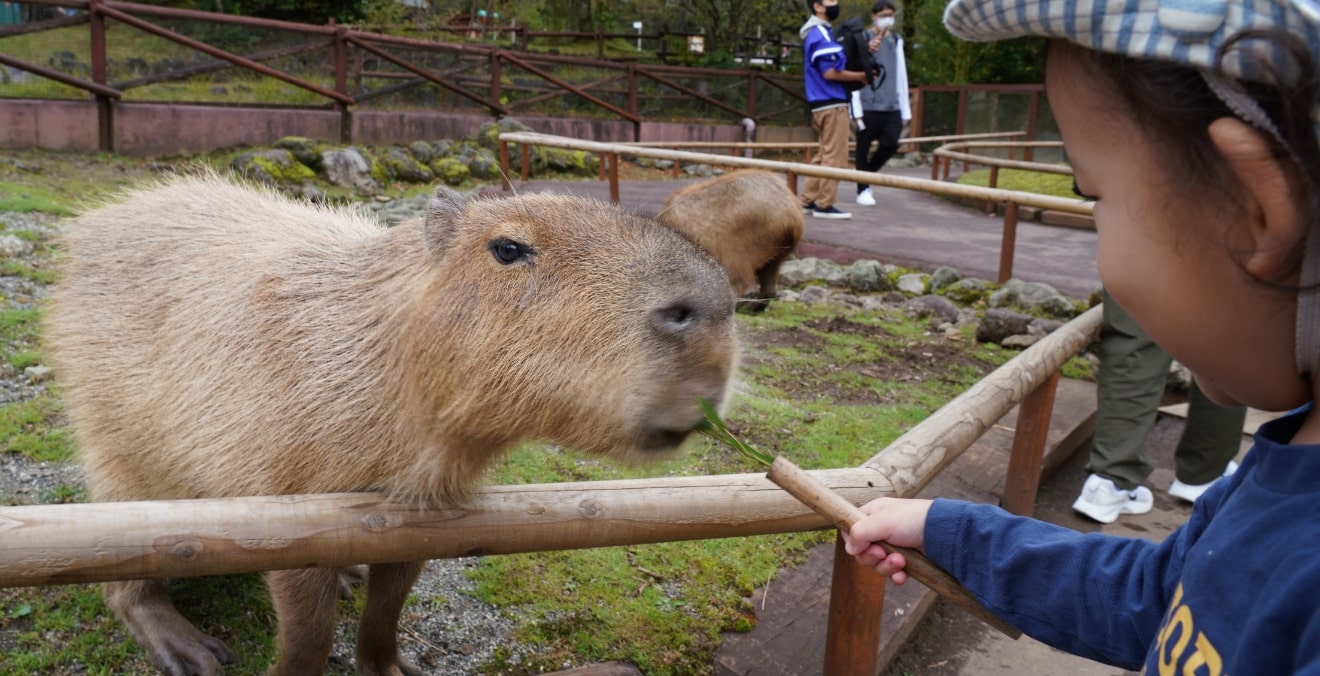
(1192, 126)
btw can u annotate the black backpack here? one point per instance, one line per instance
(851, 35)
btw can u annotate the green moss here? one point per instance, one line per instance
(35, 428)
(451, 170)
(26, 198)
(290, 171)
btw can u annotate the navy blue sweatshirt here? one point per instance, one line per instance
(1236, 590)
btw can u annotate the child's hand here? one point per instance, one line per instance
(898, 522)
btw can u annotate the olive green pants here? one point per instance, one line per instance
(1133, 373)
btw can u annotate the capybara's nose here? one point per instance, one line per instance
(681, 316)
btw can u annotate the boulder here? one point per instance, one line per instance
(350, 168)
(1000, 323)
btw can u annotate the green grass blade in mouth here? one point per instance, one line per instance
(715, 428)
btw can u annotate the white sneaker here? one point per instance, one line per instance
(865, 199)
(1103, 500)
(1190, 492)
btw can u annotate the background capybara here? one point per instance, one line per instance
(749, 220)
(214, 340)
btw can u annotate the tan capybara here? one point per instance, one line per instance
(749, 220)
(218, 340)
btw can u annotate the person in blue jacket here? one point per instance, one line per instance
(823, 72)
(1192, 124)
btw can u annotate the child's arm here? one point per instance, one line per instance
(1094, 595)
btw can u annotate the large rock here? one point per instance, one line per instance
(867, 276)
(401, 164)
(488, 136)
(451, 170)
(272, 167)
(943, 277)
(967, 291)
(912, 283)
(305, 150)
(1000, 323)
(350, 168)
(1033, 296)
(799, 270)
(938, 307)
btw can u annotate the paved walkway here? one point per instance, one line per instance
(907, 228)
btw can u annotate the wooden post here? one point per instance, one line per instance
(614, 177)
(852, 633)
(1024, 465)
(1033, 117)
(1008, 242)
(495, 75)
(341, 82)
(600, 166)
(525, 155)
(994, 183)
(105, 126)
(504, 166)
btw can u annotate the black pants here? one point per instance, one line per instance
(884, 127)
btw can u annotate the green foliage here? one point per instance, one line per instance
(302, 11)
(935, 56)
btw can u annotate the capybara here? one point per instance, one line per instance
(218, 340)
(749, 220)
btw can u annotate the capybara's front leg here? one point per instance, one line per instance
(174, 644)
(378, 645)
(305, 603)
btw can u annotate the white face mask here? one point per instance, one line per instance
(884, 23)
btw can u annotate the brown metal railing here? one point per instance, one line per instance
(344, 43)
(610, 153)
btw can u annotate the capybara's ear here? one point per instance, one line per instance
(443, 216)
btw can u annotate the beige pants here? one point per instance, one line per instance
(832, 126)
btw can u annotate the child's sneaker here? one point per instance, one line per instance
(864, 198)
(831, 212)
(1103, 500)
(1190, 492)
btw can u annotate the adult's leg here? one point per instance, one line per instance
(834, 131)
(1210, 440)
(889, 126)
(1133, 372)
(868, 134)
(813, 187)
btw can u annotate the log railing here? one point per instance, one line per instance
(55, 544)
(611, 152)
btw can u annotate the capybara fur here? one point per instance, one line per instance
(749, 220)
(218, 340)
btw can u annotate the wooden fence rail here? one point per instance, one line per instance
(49, 544)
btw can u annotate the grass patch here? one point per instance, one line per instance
(27, 198)
(1057, 185)
(35, 428)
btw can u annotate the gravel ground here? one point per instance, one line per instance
(446, 632)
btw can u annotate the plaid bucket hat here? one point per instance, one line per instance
(1188, 32)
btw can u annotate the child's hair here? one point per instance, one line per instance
(1177, 106)
(882, 5)
(811, 7)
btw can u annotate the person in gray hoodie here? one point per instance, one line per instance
(883, 104)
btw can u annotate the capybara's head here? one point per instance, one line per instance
(570, 320)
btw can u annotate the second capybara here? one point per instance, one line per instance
(215, 340)
(749, 220)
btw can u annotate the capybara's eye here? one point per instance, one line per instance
(507, 251)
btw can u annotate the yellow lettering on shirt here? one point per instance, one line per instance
(1181, 644)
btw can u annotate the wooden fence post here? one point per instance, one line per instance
(1008, 242)
(852, 634)
(1024, 465)
(105, 126)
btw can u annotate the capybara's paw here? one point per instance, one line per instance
(349, 576)
(190, 654)
(395, 667)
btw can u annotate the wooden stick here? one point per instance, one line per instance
(844, 514)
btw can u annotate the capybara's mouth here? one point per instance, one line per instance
(657, 439)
